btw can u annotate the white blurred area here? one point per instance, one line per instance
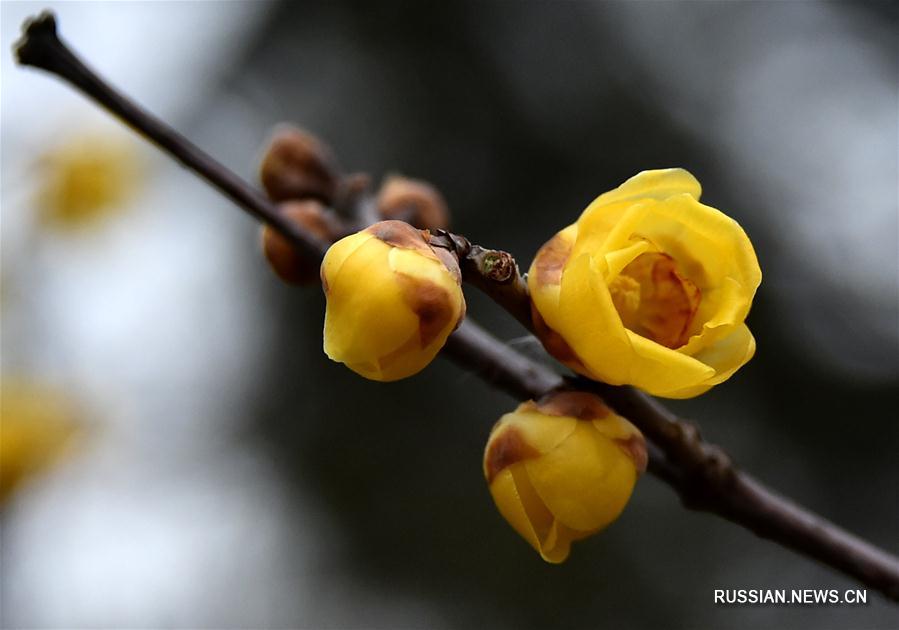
(809, 139)
(146, 320)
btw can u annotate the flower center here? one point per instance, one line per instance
(654, 300)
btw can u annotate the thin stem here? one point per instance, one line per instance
(41, 47)
(701, 473)
(476, 350)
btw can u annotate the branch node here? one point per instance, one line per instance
(499, 266)
(455, 243)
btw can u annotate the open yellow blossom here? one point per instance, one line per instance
(392, 300)
(650, 288)
(562, 469)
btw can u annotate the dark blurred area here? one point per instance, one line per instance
(521, 114)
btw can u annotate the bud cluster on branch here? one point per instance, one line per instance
(648, 288)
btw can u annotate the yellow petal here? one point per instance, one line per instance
(620, 258)
(349, 336)
(724, 357)
(606, 228)
(524, 511)
(654, 184)
(413, 264)
(586, 481)
(707, 244)
(586, 317)
(523, 434)
(339, 252)
(615, 427)
(722, 309)
(541, 432)
(660, 370)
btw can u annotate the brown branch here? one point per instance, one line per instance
(700, 472)
(41, 47)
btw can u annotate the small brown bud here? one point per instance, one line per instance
(289, 264)
(297, 165)
(413, 201)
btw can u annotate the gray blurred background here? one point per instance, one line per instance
(233, 477)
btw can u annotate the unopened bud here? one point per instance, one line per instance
(289, 264)
(414, 201)
(297, 165)
(392, 301)
(562, 468)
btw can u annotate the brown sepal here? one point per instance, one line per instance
(289, 264)
(413, 201)
(401, 234)
(551, 259)
(504, 449)
(635, 446)
(297, 165)
(430, 303)
(573, 404)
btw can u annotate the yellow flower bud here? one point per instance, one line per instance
(562, 469)
(392, 300)
(649, 288)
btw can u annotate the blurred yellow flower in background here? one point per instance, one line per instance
(562, 469)
(85, 179)
(649, 288)
(37, 426)
(392, 301)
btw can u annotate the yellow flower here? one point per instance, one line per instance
(562, 469)
(86, 179)
(649, 288)
(392, 301)
(36, 427)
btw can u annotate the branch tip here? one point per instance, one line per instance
(499, 266)
(38, 41)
